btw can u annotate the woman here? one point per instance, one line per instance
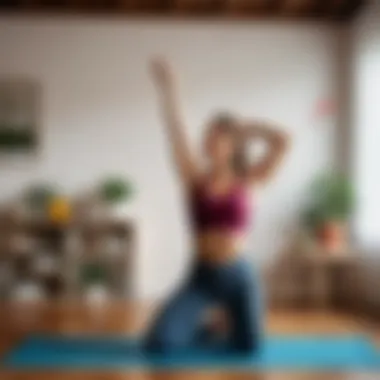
(218, 200)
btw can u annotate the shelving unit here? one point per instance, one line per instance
(42, 260)
(306, 275)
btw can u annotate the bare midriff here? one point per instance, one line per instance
(219, 246)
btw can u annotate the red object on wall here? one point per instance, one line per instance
(324, 108)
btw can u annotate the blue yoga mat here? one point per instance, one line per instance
(314, 353)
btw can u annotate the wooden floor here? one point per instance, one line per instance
(17, 321)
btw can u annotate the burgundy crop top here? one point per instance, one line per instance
(228, 211)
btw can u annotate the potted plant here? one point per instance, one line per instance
(38, 197)
(331, 205)
(94, 280)
(116, 193)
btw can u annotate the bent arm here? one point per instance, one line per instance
(173, 119)
(277, 144)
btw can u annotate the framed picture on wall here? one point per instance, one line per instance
(19, 115)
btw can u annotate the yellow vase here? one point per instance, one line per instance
(59, 210)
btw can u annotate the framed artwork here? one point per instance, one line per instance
(19, 115)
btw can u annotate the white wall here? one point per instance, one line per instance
(99, 114)
(366, 125)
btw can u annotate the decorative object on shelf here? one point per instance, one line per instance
(93, 273)
(38, 197)
(332, 202)
(116, 193)
(94, 279)
(28, 292)
(59, 210)
(19, 108)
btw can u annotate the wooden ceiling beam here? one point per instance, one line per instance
(296, 9)
(245, 5)
(273, 6)
(94, 6)
(149, 6)
(199, 6)
(10, 4)
(317, 9)
(321, 8)
(346, 9)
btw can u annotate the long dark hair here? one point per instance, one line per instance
(228, 124)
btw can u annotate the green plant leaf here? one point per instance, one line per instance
(38, 196)
(93, 273)
(331, 198)
(116, 189)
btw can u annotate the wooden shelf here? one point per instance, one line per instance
(66, 248)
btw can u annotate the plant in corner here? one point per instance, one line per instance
(331, 205)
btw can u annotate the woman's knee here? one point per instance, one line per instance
(163, 336)
(161, 343)
(247, 346)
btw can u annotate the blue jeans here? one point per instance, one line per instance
(233, 286)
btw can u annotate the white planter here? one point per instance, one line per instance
(121, 211)
(96, 294)
(27, 292)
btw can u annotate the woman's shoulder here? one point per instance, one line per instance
(199, 182)
(195, 187)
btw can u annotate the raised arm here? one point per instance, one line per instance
(277, 143)
(175, 128)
